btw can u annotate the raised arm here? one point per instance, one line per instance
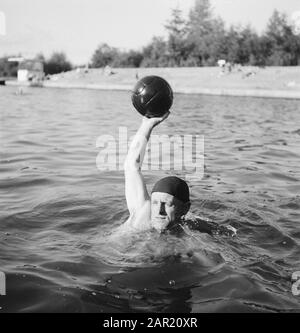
(135, 187)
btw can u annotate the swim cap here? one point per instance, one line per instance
(174, 186)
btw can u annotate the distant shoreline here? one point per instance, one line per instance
(269, 82)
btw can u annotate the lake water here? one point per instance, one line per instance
(58, 210)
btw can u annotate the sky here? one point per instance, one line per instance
(77, 27)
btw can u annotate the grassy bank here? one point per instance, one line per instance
(281, 82)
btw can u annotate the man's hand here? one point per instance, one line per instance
(152, 122)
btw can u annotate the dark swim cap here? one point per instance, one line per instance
(174, 186)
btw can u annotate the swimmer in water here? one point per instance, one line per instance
(169, 202)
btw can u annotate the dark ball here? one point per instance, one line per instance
(152, 96)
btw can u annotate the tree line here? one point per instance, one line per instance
(199, 40)
(202, 39)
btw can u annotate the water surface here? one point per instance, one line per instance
(58, 211)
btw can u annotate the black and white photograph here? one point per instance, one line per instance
(149, 159)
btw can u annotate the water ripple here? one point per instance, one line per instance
(59, 213)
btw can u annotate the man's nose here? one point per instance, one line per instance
(162, 210)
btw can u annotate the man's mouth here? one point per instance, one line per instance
(160, 218)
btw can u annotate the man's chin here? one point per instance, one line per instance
(160, 225)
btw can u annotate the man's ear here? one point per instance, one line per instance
(186, 207)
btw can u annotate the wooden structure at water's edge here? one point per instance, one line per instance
(30, 71)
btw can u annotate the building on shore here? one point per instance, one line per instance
(31, 70)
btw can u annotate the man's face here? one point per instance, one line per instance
(165, 210)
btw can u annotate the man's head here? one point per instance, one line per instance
(169, 202)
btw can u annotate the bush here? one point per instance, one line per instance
(57, 63)
(8, 69)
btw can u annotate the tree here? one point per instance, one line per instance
(248, 46)
(7, 68)
(40, 57)
(130, 59)
(283, 44)
(205, 33)
(176, 45)
(242, 45)
(57, 63)
(155, 53)
(104, 55)
(232, 45)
